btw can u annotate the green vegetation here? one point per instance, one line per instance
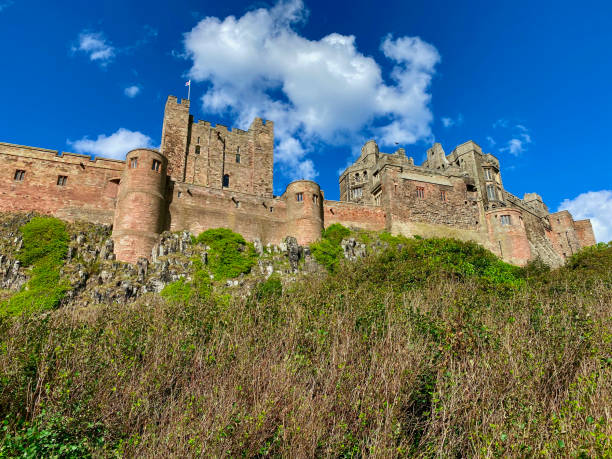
(431, 348)
(327, 251)
(230, 255)
(45, 242)
(269, 289)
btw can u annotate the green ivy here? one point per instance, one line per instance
(45, 242)
(229, 255)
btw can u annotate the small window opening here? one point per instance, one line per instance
(61, 180)
(365, 175)
(315, 198)
(491, 193)
(442, 195)
(505, 220)
(237, 203)
(487, 174)
(179, 194)
(19, 175)
(226, 181)
(271, 209)
(156, 166)
(134, 163)
(198, 140)
(197, 150)
(238, 158)
(357, 177)
(299, 197)
(420, 192)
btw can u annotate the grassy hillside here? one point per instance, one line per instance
(430, 348)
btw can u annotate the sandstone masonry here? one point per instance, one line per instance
(209, 176)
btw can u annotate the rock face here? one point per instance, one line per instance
(352, 249)
(12, 276)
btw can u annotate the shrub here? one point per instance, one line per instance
(268, 289)
(326, 253)
(229, 254)
(335, 233)
(45, 242)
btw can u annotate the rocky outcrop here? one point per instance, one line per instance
(352, 249)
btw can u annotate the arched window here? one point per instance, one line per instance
(225, 181)
(365, 175)
(357, 177)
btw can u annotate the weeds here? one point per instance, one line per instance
(434, 349)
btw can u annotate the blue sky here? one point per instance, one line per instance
(528, 81)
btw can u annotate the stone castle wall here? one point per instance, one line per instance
(88, 192)
(209, 176)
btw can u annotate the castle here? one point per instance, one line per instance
(207, 176)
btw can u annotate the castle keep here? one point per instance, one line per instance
(209, 176)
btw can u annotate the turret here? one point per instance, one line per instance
(508, 236)
(304, 211)
(140, 212)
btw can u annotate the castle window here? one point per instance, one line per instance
(365, 175)
(134, 163)
(442, 195)
(505, 220)
(156, 166)
(197, 149)
(19, 175)
(237, 204)
(315, 198)
(357, 192)
(226, 181)
(198, 140)
(420, 192)
(271, 209)
(61, 180)
(487, 174)
(179, 194)
(357, 177)
(299, 197)
(491, 193)
(238, 158)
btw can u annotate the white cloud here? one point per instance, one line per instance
(449, 122)
(501, 123)
(518, 144)
(514, 147)
(491, 141)
(132, 91)
(6, 4)
(114, 146)
(596, 205)
(96, 46)
(314, 90)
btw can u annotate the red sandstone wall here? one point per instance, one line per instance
(404, 204)
(509, 241)
(371, 218)
(563, 234)
(141, 205)
(90, 190)
(305, 215)
(198, 209)
(584, 233)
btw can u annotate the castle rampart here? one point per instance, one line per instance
(208, 176)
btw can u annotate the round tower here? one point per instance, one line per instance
(304, 211)
(508, 236)
(140, 208)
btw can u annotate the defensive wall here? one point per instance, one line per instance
(208, 176)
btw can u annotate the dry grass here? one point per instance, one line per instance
(376, 360)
